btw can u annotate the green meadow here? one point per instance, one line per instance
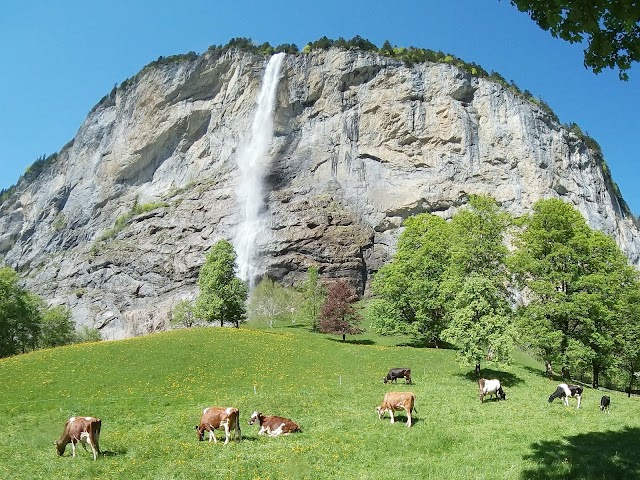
(150, 391)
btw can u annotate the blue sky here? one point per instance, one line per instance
(59, 58)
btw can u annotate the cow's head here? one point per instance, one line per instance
(60, 446)
(501, 394)
(380, 411)
(385, 379)
(255, 417)
(199, 432)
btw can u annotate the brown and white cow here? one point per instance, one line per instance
(397, 401)
(80, 429)
(227, 419)
(274, 426)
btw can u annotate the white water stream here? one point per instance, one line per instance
(252, 159)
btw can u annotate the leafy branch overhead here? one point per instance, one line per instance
(611, 29)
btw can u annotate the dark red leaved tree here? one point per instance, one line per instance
(337, 315)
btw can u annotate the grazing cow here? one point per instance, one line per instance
(605, 401)
(80, 429)
(274, 426)
(565, 392)
(396, 373)
(227, 419)
(397, 401)
(491, 388)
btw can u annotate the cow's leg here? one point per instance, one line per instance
(226, 433)
(73, 448)
(565, 401)
(263, 430)
(212, 435)
(579, 397)
(95, 452)
(391, 415)
(408, 417)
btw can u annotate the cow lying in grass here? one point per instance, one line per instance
(397, 401)
(80, 429)
(227, 419)
(491, 388)
(565, 392)
(273, 426)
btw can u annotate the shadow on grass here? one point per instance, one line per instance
(507, 379)
(424, 343)
(308, 328)
(114, 453)
(400, 418)
(586, 456)
(353, 341)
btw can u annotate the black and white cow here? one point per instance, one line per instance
(396, 373)
(605, 401)
(565, 392)
(491, 388)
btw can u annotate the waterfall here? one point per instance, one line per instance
(252, 159)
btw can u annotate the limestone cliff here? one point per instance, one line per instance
(361, 142)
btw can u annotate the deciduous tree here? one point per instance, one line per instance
(183, 313)
(480, 322)
(338, 315)
(575, 280)
(57, 327)
(313, 296)
(222, 295)
(408, 289)
(270, 302)
(611, 29)
(19, 315)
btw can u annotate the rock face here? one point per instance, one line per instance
(361, 142)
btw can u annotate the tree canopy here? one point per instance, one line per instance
(338, 315)
(447, 281)
(576, 281)
(222, 294)
(20, 315)
(611, 29)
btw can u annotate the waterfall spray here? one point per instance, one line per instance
(252, 160)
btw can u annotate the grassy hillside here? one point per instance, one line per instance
(150, 391)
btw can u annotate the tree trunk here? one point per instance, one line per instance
(596, 374)
(631, 379)
(344, 337)
(478, 370)
(548, 368)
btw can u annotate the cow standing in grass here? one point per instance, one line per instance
(395, 373)
(491, 388)
(565, 392)
(214, 418)
(397, 401)
(80, 429)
